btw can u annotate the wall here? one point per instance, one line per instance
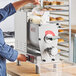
(73, 12)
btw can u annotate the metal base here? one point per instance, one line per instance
(18, 63)
(37, 69)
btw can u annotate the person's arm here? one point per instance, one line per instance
(12, 8)
(17, 5)
(6, 11)
(5, 50)
(8, 52)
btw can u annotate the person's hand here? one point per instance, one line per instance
(35, 2)
(21, 57)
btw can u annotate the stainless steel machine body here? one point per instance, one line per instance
(42, 36)
(37, 38)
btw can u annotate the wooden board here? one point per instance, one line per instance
(26, 69)
(73, 28)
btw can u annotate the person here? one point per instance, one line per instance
(7, 52)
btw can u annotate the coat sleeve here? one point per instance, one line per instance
(7, 11)
(5, 50)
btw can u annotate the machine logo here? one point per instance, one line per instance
(32, 29)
